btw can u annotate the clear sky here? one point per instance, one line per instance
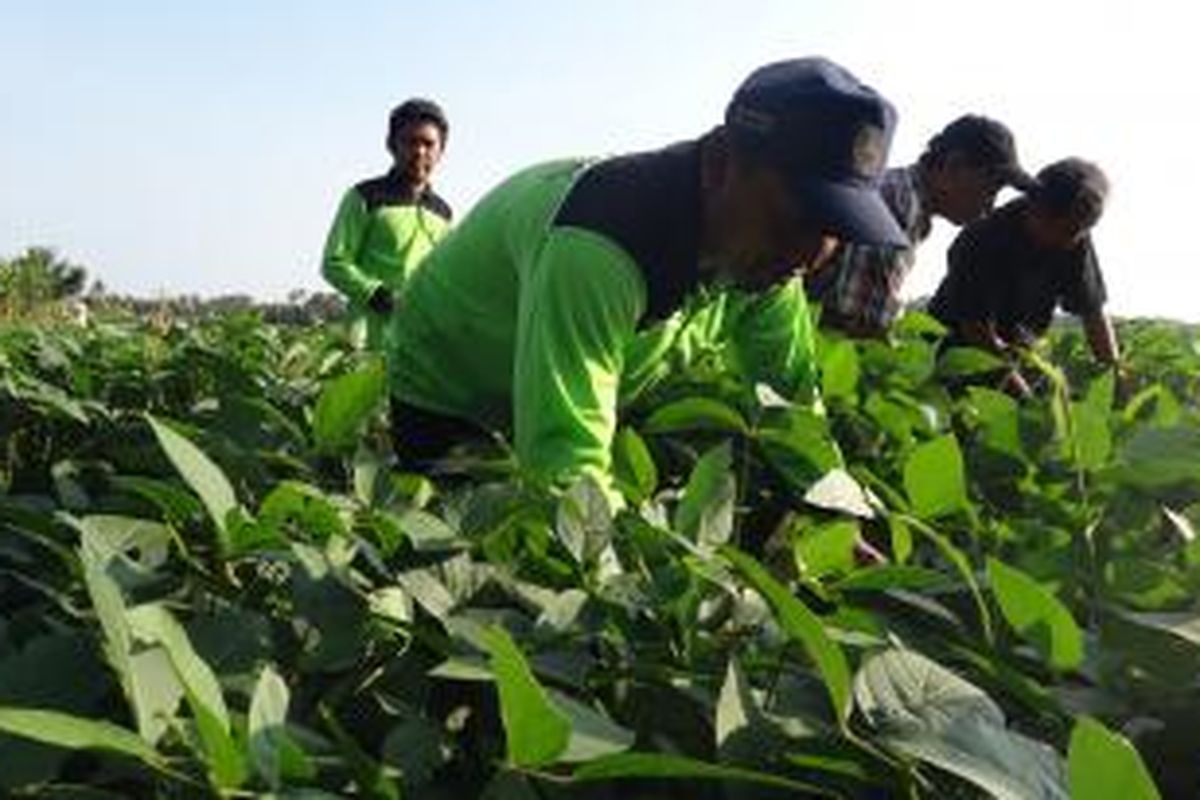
(201, 147)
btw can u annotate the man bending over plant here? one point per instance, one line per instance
(956, 178)
(559, 295)
(1009, 272)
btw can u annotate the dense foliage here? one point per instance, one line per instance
(215, 584)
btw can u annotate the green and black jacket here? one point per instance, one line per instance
(570, 289)
(380, 235)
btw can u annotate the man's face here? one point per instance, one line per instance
(762, 237)
(968, 191)
(1053, 232)
(416, 148)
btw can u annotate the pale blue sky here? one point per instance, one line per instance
(201, 147)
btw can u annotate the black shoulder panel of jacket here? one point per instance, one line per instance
(390, 190)
(649, 204)
(434, 202)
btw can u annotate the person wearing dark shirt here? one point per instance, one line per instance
(1010, 272)
(956, 178)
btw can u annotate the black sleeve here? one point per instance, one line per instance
(964, 295)
(1085, 293)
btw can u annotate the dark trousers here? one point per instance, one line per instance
(421, 437)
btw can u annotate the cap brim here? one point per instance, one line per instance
(856, 214)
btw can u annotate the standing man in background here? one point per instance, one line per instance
(385, 225)
(957, 178)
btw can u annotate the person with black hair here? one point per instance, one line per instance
(1009, 272)
(386, 225)
(957, 178)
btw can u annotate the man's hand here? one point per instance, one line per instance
(381, 301)
(983, 335)
(1015, 385)
(1102, 338)
(1124, 383)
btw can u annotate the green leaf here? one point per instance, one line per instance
(346, 404)
(1101, 392)
(425, 587)
(144, 542)
(927, 712)
(840, 371)
(146, 678)
(887, 577)
(55, 672)
(1159, 458)
(798, 444)
(1037, 615)
(155, 692)
(1163, 647)
(695, 413)
(633, 466)
(958, 362)
(295, 507)
(1104, 766)
(462, 669)
(593, 735)
(584, 521)
(429, 533)
(1147, 585)
(133, 550)
(266, 721)
(1183, 625)
(75, 733)
(803, 626)
(705, 514)
(901, 537)
(153, 624)
(735, 704)
(417, 747)
(1092, 438)
(934, 478)
(666, 766)
(958, 559)
(828, 549)
(918, 323)
(537, 731)
(177, 505)
(999, 420)
(204, 477)
(837, 490)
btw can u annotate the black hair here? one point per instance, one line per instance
(1072, 188)
(418, 110)
(979, 140)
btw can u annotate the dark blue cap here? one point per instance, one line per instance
(829, 135)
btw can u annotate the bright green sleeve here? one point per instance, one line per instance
(340, 265)
(772, 338)
(578, 312)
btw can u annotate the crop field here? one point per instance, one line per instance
(215, 583)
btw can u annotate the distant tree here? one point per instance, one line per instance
(38, 276)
